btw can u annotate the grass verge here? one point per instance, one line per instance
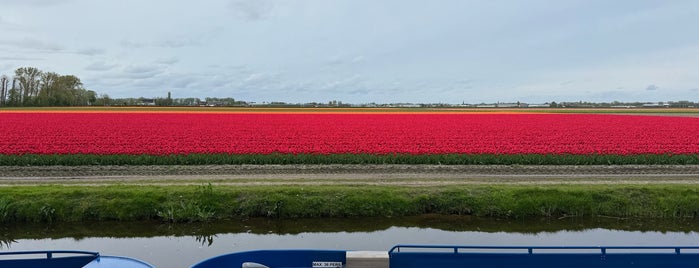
(207, 202)
(282, 159)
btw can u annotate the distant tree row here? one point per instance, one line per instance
(32, 87)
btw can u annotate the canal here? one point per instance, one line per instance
(182, 245)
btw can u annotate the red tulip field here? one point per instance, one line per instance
(406, 134)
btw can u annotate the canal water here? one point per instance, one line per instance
(182, 245)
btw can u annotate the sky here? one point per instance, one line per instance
(362, 51)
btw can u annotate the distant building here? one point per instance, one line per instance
(483, 105)
(147, 102)
(622, 106)
(655, 105)
(507, 105)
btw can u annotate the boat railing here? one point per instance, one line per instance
(536, 249)
(49, 253)
(414, 256)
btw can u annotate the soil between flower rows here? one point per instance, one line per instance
(408, 175)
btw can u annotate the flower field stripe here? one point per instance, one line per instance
(184, 133)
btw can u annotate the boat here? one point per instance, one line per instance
(414, 256)
(66, 259)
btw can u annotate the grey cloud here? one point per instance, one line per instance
(178, 42)
(8, 25)
(182, 82)
(17, 58)
(166, 43)
(131, 44)
(32, 44)
(694, 90)
(140, 68)
(359, 92)
(34, 3)
(138, 72)
(90, 51)
(465, 82)
(337, 60)
(342, 84)
(251, 9)
(193, 81)
(167, 61)
(100, 66)
(151, 83)
(652, 87)
(260, 80)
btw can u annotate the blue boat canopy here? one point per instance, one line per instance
(421, 256)
(66, 259)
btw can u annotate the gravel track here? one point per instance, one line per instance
(409, 175)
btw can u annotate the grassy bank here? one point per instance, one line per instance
(283, 159)
(206, 202)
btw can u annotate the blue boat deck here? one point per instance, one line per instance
(400, 256)
(414, 256)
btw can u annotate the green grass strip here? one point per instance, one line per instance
(207, 202)
(283, 159)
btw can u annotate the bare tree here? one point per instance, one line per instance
(4, 83)
(28, 78)
(14, 96)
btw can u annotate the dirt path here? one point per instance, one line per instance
(409, 175)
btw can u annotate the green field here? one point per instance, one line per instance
(51, 203)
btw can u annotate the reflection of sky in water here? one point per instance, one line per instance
(184, 251)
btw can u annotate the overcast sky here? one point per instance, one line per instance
(361, 51)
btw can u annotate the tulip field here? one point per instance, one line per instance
(228, 137)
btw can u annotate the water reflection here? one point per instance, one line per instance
(206, 233)
(182, 245)
(205, 240)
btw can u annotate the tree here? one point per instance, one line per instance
(29, 81)
(14, 97)
(48, 89)
(32, 87)
(71, 91)
(4, 83)
(103, 100)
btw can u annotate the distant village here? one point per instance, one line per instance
(231, 102)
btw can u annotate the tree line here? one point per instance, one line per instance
(32, 87)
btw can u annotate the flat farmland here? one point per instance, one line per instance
(207, 164)
(348, 145)
(405, 133)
